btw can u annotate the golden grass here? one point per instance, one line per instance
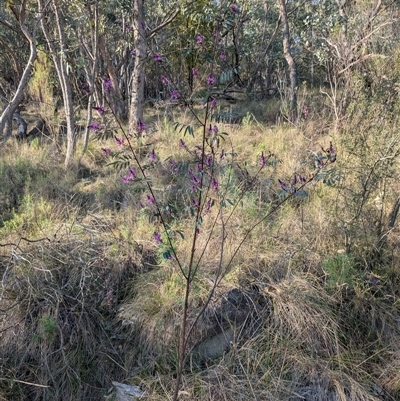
(331, 335)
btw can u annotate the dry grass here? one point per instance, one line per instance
(94, 301)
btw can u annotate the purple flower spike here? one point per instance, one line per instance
(262, 160)
(120, 141)
(127, 179)
(153, 156)
(150, 200)
(106, 151)
(141, 125)
(215, 185)
(199, 39)
(157, 57)
(107, 84)
(283, 185)
(100, 109)
(222, 56)
(95, 126)
(234, 8)
(213, 130)
(210, 80)
(175, 94)
(195, 72)
(208, 206)
(157, 237)
(182, 144)
(332, 153)
(132, 173)
(213, 103)
(164, 80)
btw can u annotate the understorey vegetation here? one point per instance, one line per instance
(199, 202)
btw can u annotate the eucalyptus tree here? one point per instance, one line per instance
(140, 49)
(56, 40)
(23, 16)
(342, 37)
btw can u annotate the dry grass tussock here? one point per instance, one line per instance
(93, 300)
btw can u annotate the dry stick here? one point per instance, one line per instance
(23, 382)
(189, 277)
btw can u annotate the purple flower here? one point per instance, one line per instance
(213, 103)
(222, 56)
(100, 109)
(127, 179)
(210, 80)
(215, 185)
(283, 185)
(213, 130)
(130, 177)
(157, 237)
(141, 125)
(120, 141)
(153, 156)
(174, 94)
(262, 160)
(150, 200)
(173, 165)
(195, 180)
(195, 72)
(157, 57)
(195, 203)
(214, 32)
(95, 126)
(164, 80)
(132, 173)
(199, 39)
(208, 206)
(134, 53)
(107, 84)
(209, 160)
(106, 151)
(234, 7)
(182, 144)
(332, 153)
(305, 112)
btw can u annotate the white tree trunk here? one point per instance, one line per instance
(11, 107)
(59, 56)
(137, 79)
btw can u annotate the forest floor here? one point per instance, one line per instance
(306, 305)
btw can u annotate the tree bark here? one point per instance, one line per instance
(91, 69)
(137, 81)
(116, 100)
(290, 60)
(11, 107)
(59, 57)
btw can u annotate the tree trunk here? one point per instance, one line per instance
(290, 60)
(90, 70)
(137, 81)
(11, 107)
(116, 100)
(59, 57)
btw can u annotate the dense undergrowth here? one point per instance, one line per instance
(88, 297)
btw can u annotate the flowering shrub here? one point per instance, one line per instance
(206, 174)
